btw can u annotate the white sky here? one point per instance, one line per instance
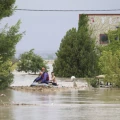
(44, 30)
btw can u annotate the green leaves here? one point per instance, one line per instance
(5, 74)
(63, 64)
(6, 8)
(109, 64)
(9, 37)
(29, 61)
(109, 61)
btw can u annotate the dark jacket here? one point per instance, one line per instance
(45, 78)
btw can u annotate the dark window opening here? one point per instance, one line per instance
(103, 39)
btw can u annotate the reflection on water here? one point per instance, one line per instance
(97, 104)
(82, 112)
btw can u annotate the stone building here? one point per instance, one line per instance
(101, 24)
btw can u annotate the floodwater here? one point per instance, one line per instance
(94, 104)
(83, 104)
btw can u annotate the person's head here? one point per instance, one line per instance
(52, 73)
(43, 69)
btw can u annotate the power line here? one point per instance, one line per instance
(55, 10)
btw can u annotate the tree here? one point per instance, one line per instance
(6, 8)
(109, 61)
(6, 77)
(9, 37)
(114, 41)
(109, 64)
(86, 49)
(65, 64)
(8, 40)
(77, 54)
(29, 61)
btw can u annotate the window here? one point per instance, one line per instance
(103, 39)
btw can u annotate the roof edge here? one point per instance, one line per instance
(101, 14)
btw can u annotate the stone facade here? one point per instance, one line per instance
(102, 23)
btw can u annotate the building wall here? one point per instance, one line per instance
(102, 23)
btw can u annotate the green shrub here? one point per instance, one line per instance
(92, 82)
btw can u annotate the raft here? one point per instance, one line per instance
(39, 84)
(42, 84)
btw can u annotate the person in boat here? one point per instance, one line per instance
(45, 76)
(39, 77)
(54, 82)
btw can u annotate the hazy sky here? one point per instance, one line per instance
(44, 30)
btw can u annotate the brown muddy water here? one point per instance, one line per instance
(83, 104)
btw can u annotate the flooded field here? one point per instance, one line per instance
(82, 104)
(96, 104)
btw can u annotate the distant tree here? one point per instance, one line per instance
(77, 54)
(29, 61)
(50, 57)
(9, 37)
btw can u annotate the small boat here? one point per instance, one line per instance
(38, 84)
(43, 84)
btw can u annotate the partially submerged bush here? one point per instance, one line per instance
(5, 81)
(92, 82)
